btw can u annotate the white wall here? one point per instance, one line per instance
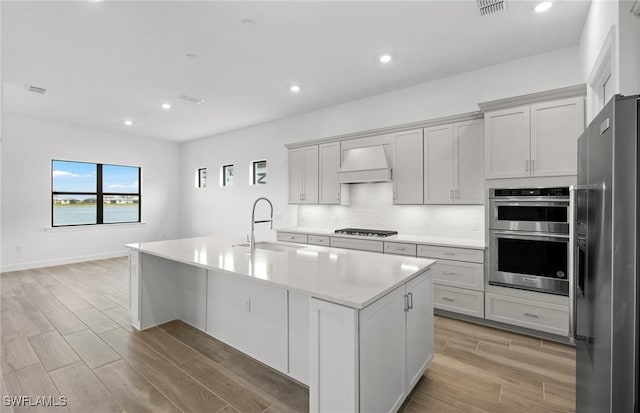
(629, 57)
(228, 210)
(29, 145)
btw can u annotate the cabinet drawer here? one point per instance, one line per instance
(400, 248)
(448, 253)
(458, 300)
(319, 240)
(548, 317)
(460, 274)
(357, 244)
(291, 237)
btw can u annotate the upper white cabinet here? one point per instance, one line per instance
(453, 163)
(555, 128)
(438, 164)
(407, 168)
(533, 140)
(329, 188)
(303, 175)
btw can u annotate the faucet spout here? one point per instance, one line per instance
(262, 221)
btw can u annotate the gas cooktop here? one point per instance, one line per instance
(366, 232)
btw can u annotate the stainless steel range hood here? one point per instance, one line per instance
(367, 164)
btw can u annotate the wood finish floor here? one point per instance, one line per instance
(66, 332)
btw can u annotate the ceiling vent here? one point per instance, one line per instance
(490, 6)
(192, 99)
(35, 89)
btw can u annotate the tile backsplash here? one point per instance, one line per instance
(371, 206)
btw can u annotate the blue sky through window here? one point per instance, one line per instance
(120, 179)
(73, 176)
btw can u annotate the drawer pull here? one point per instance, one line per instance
(448, 299)
(449, 253)
(530, 315)
(400, 249)
(449, 273)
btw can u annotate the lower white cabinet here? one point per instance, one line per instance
(459, 300)
(299, 336)
(396, 345)
(549, 317)
(260, 309)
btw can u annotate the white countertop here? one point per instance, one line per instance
(416, 239)
(351, 278)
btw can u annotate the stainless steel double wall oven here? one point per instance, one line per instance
(529, 239)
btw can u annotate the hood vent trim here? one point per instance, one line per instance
(366, 164)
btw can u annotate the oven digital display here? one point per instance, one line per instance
(532, 213)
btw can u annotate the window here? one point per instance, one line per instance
(227, 175)
(201, 178)
(88, 193)
(259, 172)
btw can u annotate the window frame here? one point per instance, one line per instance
(225, 168)
(99, 194)
(254, 166)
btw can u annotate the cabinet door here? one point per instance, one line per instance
(419, 328)
(329, 188)
(468, 162)
(310, 174)
(555, 128)
(382, 354)
(438, 165)
(506, 145)
(295, 176)
(407, 168)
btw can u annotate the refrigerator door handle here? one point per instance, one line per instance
(572, 263)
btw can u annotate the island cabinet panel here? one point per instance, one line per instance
(382, 354)
(299, 336)
(419, 328)
(134, 287)
(250, 316)
(192, 293)
(333, 354)
(396, 345)
(159, 286)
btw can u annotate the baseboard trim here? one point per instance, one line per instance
(62, 261)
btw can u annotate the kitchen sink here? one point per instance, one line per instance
(270, 246)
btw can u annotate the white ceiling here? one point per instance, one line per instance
(104, 62)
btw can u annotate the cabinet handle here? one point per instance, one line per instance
(338, 196)
(395, 194)
(449, 273)
(304, 197)
(530, 315)
(526, 165)
(448, 299)
(300, 197)
(448, 253)
(457, 194)
(451, 194)
(410, 301)
(406, 303)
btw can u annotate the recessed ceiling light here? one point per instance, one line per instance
(295, 88)
(542, 7)
(385, 58)
(166, 106)
(128, 122)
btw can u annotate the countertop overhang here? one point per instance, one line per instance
(351, 278)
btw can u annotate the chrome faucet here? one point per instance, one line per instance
(253, 222)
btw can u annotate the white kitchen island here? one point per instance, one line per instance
(356, 327)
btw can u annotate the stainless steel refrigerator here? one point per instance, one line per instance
(605, 290)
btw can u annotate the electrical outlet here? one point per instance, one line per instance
(18, 248)
(475, 226)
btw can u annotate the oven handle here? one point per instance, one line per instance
(529, 235)
(532, 202)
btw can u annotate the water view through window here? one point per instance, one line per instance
(88, 193)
